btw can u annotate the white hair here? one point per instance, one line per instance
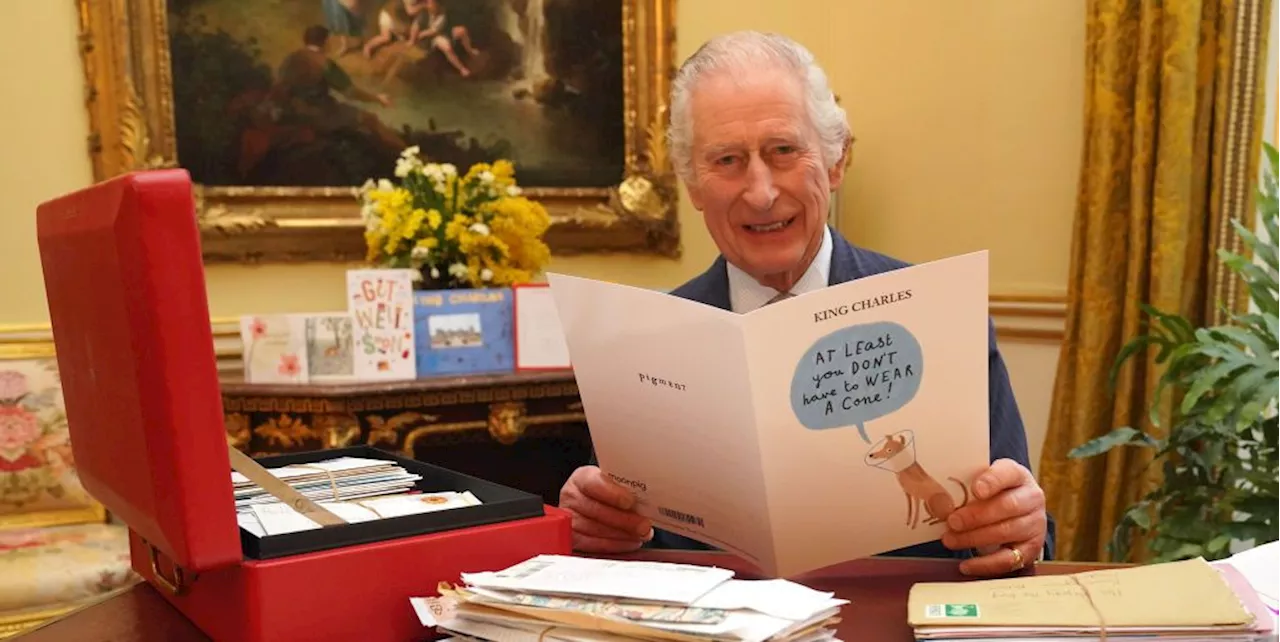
(744, 52)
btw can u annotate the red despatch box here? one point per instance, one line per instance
(125, 284)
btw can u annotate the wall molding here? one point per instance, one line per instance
(1018, 317)
(1035, 318)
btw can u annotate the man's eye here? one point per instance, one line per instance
(725, 160)
(784, 149)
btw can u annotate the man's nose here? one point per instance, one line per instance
(761, 192)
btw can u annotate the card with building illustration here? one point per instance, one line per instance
(330, 346)
(463, 332)
(834, 425)
(274, 348)
(380, 302)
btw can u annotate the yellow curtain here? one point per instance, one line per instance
(1172, 114)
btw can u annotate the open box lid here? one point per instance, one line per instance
(124, 279)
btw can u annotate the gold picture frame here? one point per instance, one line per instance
(129, 97)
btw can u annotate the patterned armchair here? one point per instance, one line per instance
(58, 550)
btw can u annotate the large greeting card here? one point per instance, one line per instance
(830, 426)
(381, 307)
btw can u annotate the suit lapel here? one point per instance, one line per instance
(717, 292)
(844, 261)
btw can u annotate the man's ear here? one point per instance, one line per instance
(836, 173)
(695, 193)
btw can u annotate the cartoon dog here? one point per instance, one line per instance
(921, 489)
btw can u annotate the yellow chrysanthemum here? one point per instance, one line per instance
(504, 173)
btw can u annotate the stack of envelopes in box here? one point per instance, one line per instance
(353, 488)
(571, 599)
(1186, 601)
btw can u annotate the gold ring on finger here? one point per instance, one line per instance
(1017, 558)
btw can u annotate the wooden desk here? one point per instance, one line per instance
(876, 587)
(524, 430)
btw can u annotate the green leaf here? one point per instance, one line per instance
(1139, 516)
(1186, 551)
(1128, 350)
(1118, 437)
(1263, 251)
(1206, 380)
(1261, 326)
(1179, 327)
(1244, 338)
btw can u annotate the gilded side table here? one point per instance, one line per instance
(524, 430)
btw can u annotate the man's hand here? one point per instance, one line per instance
(1006, 513)
(602, 511)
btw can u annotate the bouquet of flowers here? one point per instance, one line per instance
(469, 231)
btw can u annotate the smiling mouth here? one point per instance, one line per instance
(770, 227)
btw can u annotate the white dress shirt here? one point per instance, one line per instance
(746, 294)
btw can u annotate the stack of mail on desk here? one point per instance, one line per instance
(1260, 565)
(553, 598)
(352, 488)
(1186, 600)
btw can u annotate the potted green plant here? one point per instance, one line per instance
(1219, 460)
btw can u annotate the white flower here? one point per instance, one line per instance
(420, 252)
(513, 190)
(416, 276)
(437, 176)
(486, 176)
(449, 169)
(486, 274)
(435, 272)
(385, 185)
(458, 270)
(410, 152)
(480, 228)
(405, 166)
(368, 186)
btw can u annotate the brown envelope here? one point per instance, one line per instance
(1139, 596)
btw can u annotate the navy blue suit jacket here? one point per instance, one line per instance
(1008, 436)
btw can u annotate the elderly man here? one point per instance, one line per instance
(760, 143)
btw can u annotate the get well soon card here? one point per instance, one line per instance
(834, 425)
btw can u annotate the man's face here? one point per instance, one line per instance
(759, 179)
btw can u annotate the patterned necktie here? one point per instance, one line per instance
(781, 296)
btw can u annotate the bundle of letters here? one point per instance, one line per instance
(353, 488)
(554, 598)
(1189, 600)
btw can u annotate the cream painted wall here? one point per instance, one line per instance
(967, 118)
(43, 126)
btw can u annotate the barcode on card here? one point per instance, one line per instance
(934, 610)
(681, 517)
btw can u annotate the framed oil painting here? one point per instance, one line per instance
(281, 109)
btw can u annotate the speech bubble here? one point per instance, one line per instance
(856, 374)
